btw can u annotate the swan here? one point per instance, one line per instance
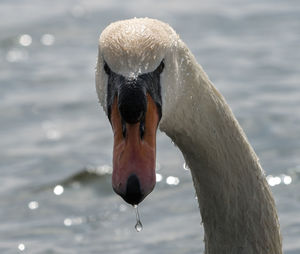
(146, 77)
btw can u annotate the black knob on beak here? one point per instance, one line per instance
(132, 101)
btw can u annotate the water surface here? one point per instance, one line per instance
(56, 143)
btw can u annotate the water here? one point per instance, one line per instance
(54, 133)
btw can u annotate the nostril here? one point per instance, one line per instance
(133, 193)
(142, 127)
(123, 128)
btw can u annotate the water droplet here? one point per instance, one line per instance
(140, 70)
(138, 226)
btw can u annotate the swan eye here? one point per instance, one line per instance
(106, 68)
(161, 67)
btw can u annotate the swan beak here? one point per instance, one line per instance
(134, 152)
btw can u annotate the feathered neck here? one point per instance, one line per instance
(237, 208)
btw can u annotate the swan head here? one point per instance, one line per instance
(134, 61)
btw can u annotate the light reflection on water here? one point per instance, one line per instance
(100, 170)
(51, 130)
(21, 247)
(68, 222)
(276, 180)
(16, 55)
(172, 180)
(47, 39)
(107, 217)
(25, 40)
(33, 205)
(159, 177)
(58, 190)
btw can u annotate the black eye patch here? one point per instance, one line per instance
(161, 67)
(150, 81)
(106, 68)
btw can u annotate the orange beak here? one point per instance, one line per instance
(134, 154)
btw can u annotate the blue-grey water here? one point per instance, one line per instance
(56, 143)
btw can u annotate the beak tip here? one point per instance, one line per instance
(133, 193)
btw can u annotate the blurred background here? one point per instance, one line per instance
(56, 143)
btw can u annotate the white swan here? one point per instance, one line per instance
(145, 72)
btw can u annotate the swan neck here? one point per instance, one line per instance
(236, 205)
